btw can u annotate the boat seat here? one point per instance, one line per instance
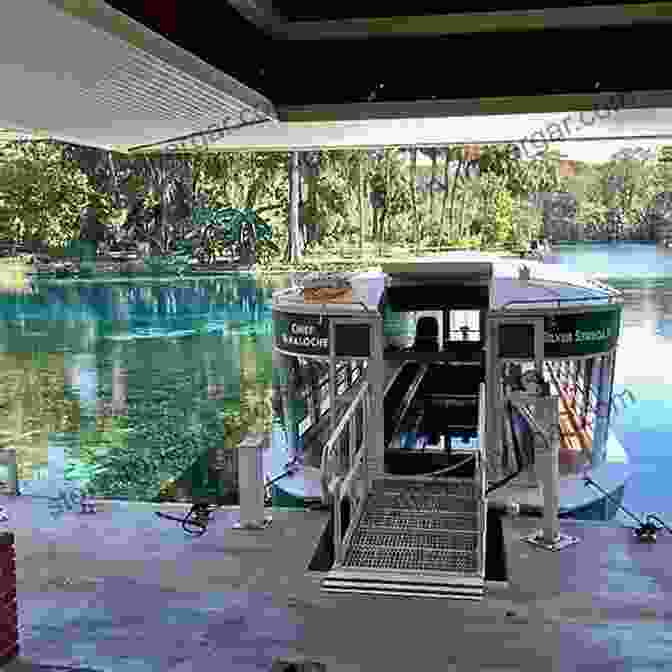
(427, 335)
(569, 437)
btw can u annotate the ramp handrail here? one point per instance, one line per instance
(481, 474)
(330, 445)
(482, 406)
(338, 482)
(346, 488)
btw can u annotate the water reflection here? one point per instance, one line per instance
(643, 363)
(123, 387)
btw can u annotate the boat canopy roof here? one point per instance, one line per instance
(485, 280)
(548, 286)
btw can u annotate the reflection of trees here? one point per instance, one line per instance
(32, 404)
(255, 384)
(162, 403)
(118, 404)
(187, 306)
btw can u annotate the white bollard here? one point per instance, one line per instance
(546, 460)
(9, 483)
(547, 466)
(251, 483)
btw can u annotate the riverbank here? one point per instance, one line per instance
(132, 267)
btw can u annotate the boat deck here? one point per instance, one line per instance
(95, 592)
(611, 474)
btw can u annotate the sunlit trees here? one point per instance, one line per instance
(42, 194)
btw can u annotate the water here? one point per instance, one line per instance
(643, 363)
(135, 379)
(124, 388)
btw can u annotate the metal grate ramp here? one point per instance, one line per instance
(415, 537)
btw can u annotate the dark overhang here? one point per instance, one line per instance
(140, 73)
(315, 60)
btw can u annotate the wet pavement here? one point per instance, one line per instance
(123, 590)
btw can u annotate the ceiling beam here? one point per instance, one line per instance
(567, 18)
(476, 107)
(261, 13)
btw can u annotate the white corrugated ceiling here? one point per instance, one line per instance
(107, 81)
(85, 73)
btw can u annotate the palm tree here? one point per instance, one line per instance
(295, 240)
(433, 153)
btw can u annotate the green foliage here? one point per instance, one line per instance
(152, 198)
(526, 224)
(627, 184)
(243, 180)
(41, 193)
(543, 172)
(494, 223)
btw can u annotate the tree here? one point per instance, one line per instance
(295, 240)
(614, 197)
(336, 193)
(448, 156)
(243, 180)
(495, 223)
(630, 172)
(168, 180)
(458, 176)
(388, 177)
(42, 194)
(433, 153)
(414, 204)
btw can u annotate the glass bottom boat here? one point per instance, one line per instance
(547, 330)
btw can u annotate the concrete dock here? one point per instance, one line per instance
(124, 590)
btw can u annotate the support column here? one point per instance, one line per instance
(376, 421)
(251, 483)
(493, 441)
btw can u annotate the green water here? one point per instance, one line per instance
(126, 389)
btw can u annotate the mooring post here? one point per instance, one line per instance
(546, 459)
(9, 480)
(251, 483)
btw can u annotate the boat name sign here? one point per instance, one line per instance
(304, 335)
(581, 334)
(578, 336)
(309, 335)
(565, 335)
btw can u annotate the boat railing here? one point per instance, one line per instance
(343, 473)
(609, 291)
(559, 302)
(316, 398)
(481, 469)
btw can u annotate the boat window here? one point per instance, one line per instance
(464, 325)
(436, 314)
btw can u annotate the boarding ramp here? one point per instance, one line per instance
(412, 536)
